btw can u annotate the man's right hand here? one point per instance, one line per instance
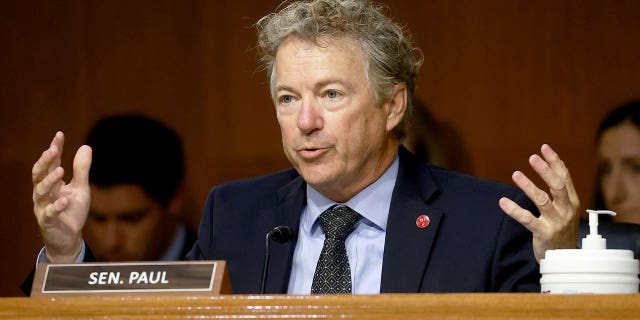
(60, 208)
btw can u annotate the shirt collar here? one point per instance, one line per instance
(372, 203)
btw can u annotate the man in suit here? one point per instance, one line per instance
(367, 217)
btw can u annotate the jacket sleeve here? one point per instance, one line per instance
(515, 267)
(27, 284)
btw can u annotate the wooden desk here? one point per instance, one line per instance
(386, 306)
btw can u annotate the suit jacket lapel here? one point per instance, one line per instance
(291, 199)
(408, 247)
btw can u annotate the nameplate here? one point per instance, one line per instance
(208, 277)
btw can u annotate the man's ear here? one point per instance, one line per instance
(396, 105)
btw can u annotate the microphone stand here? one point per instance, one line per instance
(281, 234)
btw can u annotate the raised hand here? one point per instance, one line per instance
(60, 208)
(557, 225)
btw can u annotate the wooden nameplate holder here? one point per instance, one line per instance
(126, 278)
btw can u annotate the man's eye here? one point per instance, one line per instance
(604, 168)
(332, 94)
(634, 164)
(132, 219)
(286, 99)
(97, 217)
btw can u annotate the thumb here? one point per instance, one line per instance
(81, 166)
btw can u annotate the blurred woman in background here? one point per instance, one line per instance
(618, 152)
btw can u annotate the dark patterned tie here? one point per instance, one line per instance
(332, 271)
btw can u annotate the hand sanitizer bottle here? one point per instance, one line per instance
(592, 269)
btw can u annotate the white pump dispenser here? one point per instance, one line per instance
(592, 269)
(594, 241)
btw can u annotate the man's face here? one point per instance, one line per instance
(332, 131)
(125, 224)
(619, 162)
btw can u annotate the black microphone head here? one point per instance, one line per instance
(281, 234)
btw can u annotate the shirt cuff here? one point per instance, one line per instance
(42, 256)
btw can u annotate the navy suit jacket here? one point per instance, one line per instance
(469, 246)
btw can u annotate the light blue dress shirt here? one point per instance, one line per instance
(365, 245)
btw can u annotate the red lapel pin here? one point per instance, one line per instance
(423, 221)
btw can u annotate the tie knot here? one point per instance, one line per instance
(337, 221)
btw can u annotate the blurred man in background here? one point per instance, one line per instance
(137, 191)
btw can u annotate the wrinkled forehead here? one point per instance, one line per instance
(350, 46)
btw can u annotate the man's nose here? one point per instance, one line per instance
(309, 117)
(112, 235)
(614, 188)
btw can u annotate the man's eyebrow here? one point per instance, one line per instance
(95, 214)
(134, 213)
(317, 86)
(327, 82)
(284, 88)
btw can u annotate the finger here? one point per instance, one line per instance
(573, 194)
(49, 160)
(553, 159)
(52, 211)
(544, 170)
(556, 183)
(561, 169)
(42, 192)
(58, 142)
(540, 198)
(519, 214)
(41, 167)
(81, 166)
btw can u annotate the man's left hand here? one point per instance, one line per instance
(557, 225)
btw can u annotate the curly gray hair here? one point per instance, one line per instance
(391, 56)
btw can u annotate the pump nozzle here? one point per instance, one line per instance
(593, 241)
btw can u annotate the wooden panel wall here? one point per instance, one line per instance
(507, 75)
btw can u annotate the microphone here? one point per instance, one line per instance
(280, 234)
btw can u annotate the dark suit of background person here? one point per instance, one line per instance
(469, 246)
